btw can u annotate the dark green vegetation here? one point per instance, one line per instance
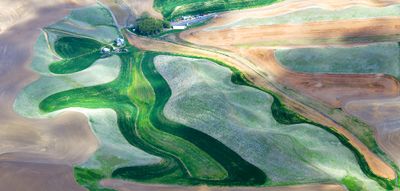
(147, 25)
(74, 50)
(174, 8)
(185, 151)
(286, 116)
(139, 104)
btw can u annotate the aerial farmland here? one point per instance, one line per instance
(175, 95)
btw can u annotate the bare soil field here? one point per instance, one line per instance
(253, 73)
(65, 139)
(17, 176)
(332, 89)
(130, 186)
(308, 34)
(293, 5)
(383, 115)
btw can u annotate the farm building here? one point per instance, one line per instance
(179, 27)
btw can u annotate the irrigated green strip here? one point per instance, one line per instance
(240, 171)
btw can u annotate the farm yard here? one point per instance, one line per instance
(267, 95)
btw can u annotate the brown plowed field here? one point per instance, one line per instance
(283, 35)
(332, 89)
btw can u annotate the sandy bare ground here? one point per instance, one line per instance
(21, 176)
(332, 89)
(295, 5)
(66, 139)
(257, 76)
(383, 114)
(316, 33)
(131, 186)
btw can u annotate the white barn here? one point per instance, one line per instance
(179, 27)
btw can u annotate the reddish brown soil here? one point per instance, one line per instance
(332, 89)
(317, 33)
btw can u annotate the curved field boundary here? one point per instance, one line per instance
(181, 107)
(332, 89)
(259, 79)
(314, 15)
(131, 97)
(383, 115)
(291, 6)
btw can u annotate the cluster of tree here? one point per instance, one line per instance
(147, 25)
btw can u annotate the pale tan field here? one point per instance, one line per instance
(130, 186)
(22, 176)
(36, 144)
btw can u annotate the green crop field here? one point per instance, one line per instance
(170, 119)
(175, 8)
(372, 58)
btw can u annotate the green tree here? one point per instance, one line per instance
(147, 25)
